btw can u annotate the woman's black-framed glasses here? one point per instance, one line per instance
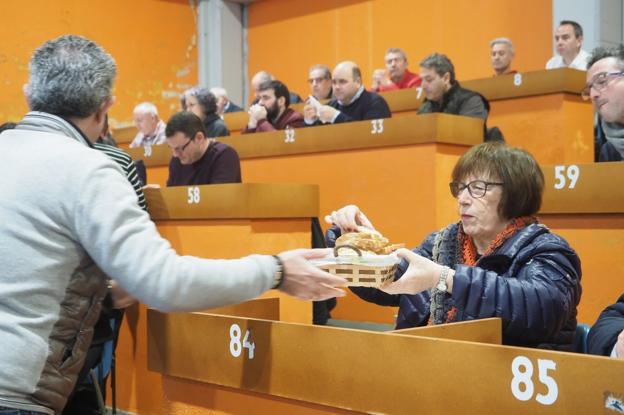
(476, 188)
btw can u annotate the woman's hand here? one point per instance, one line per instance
(422, 274)
(350, 219)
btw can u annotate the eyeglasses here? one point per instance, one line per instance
(180, 150)
(476, 188)
(317, 80)
(598, 82)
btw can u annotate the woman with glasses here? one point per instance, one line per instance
(203, 103)
(496, 261)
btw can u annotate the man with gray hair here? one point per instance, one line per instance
(70, 218)
(444, 94)
(151, 127)
(224, 105)
(501, 55)
(396, 75)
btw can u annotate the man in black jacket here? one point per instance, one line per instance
(444, 94)
(351, 103)
(607, 334)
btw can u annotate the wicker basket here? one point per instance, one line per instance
(357, 272)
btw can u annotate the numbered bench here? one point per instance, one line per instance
(584, 203)
(541, 111)
(212, 362)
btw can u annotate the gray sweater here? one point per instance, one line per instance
(63, 203)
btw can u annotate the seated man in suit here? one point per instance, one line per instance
(272, 111)
(224, 105)
(197, 160)
(444, 94)
(351, 103)
(606, 336)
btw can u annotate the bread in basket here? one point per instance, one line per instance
(364, 259)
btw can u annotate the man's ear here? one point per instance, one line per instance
(281, 101)
(100, 114)
(199, 136)
(447, 77)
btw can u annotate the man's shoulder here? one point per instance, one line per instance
(554, 62)
(372, 96)
(219, 147)
(115, 153)
(292, 114)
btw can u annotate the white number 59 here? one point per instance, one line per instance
(572, 173)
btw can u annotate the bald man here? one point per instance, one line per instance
(352, 101)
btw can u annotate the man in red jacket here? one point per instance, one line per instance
(272, 111)
(396, 75)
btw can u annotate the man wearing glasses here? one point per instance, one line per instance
(320, 80)
(196, 159)
(605, 88)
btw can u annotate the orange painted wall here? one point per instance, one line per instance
(152, 41)
(286, 37)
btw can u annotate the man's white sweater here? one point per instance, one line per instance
(62, 202)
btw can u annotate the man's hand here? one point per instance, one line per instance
(619, 345)
(326, 113)
(256, 113)
(305, 281)
(350, 219)
(380, 78)
(310, 114)
(422, 274)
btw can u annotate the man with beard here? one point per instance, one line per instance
(272, 111)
